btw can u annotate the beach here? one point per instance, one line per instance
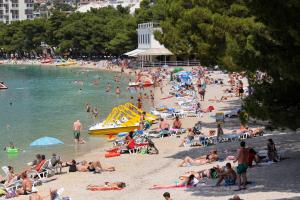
(140, 172)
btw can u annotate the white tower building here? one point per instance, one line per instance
(149, 49)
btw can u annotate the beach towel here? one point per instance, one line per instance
(167, 187)
(168, 97)
(101, 188)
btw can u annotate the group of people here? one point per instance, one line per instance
(245, 158)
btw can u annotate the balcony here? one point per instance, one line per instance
(28, 1)
(148, 25)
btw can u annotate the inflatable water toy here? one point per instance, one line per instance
(12, 151)
(123, 118)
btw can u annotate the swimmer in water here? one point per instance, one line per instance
(10, 146)
(88, 107)
(108, 87)
(95, 113)
(118, 91)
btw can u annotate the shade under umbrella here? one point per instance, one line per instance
(46, 141)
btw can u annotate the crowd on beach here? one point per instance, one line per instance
(189, 89)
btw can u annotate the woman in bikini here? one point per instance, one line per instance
(107, 186)
(211, 157)
(93, 167)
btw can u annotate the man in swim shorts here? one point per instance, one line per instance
(77, 126)
(242, 159)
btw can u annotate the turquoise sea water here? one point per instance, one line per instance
(45, 102)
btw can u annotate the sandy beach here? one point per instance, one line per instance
(140, 172)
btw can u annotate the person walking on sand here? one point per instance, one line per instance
(242, 159)
(77, 126)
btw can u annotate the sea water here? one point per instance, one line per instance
(45, 101)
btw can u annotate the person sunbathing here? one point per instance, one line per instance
(228, 175)
(211, 157)
(107, 186)
(11, 176)
(243, 129)
(256, 131)
(97, 167)
(93, 167)
(191, 179)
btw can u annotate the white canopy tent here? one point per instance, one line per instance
(134, 53)
(156, 52)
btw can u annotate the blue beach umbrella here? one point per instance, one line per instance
(46, 141)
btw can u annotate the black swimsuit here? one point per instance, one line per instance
(91, 169)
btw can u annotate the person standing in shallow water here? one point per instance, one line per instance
(77, 127)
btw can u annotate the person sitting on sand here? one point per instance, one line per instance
(198, 108)
(11, 176)
(211, 157)
(26, 185)
(72, 165)
(229, 176)
(107, 186)
(177, 123)
(164, 125)
(55, 161)
(188, 139)
(39, 166)
(129, 141)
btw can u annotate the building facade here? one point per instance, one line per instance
(149, 49)
(146, 39)
(14, 10)
(86, 5)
